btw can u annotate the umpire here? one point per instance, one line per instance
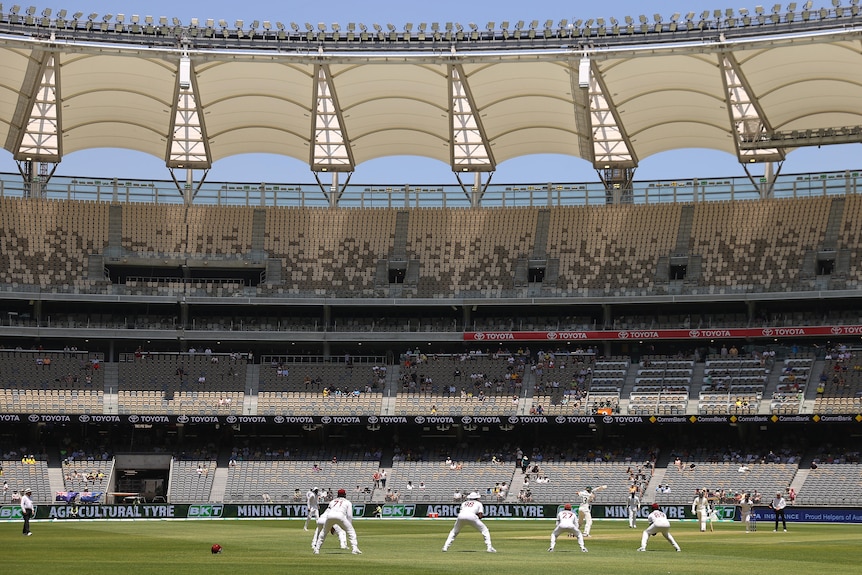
(778, 504)
(27, 510)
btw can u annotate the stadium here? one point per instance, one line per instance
(220, 347)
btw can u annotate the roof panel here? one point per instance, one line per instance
(658, 92)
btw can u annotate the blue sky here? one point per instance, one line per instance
(402, 170)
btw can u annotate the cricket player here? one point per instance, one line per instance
(585, 515)
(335, 530)
(312, 503)
(658, 523)
(567, 520)
(633, 506)
(471, 513)
(746, 510)
(700, 508)
(340, 513)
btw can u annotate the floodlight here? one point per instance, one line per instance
(629, 20)
(308, 27)
(519, 25)
(363, 27)
(504, 25)
(31, 10)
(149, 19)
(46, 12)
(210, 22)
(408, 27)
(15, 9)
(614, 21)
(238, 24)
(321, 26)
(335, 26)
(176, 21)
(222, 24)
(792, 7)
(267, 25)
(377, 27)
(294, 26)
(643, 19)
(91, 17)
(163, 20)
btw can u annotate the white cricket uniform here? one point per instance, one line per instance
(312, 510)
(700, 508)
(319, 526)
(633, 506)
(585, 508)
(339, 513)
(745, 510)
(471, 513)
(658, 523)
(567, 521)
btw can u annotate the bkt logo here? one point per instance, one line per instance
(205, 510)
(399, 510)
(358, 510)
(10, 512)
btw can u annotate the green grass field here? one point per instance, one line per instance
(402, 546)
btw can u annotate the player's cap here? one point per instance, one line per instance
(473, 495)
(589, 488)
(655, 506)
(342, 493)
(28, 490)
(567, 506)
(315, 489)
(216, 548)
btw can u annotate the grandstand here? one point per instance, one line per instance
(194, 341)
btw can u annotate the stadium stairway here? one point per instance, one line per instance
(811, 390)
(252, 387)
(219, 485)
(628, 384)
(110, 399)
(697, 375)
(55, 479)
(390, 390)
(799, 479)
(657, 479)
